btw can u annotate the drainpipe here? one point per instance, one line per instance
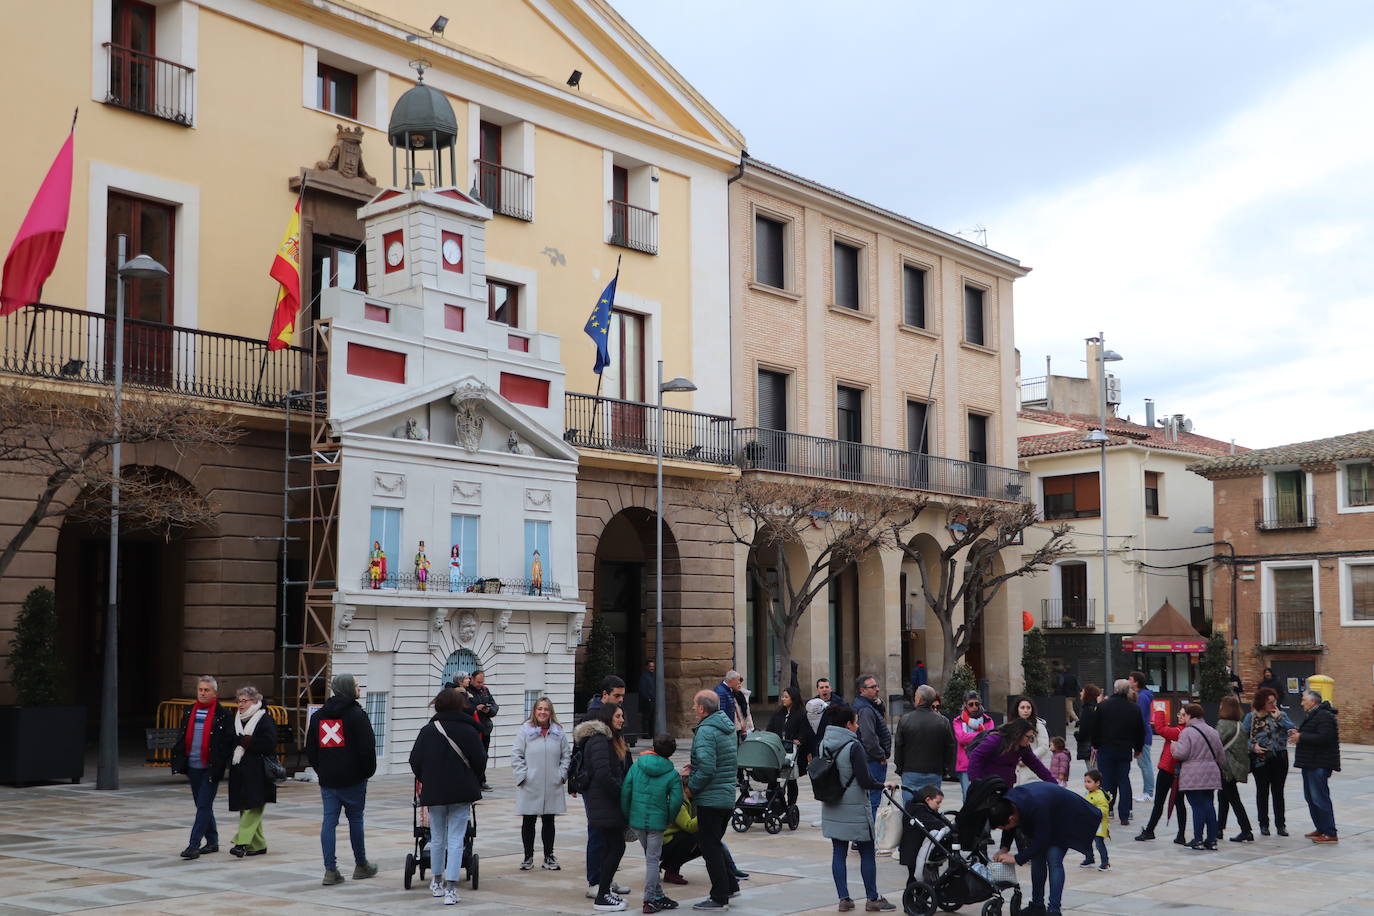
(743, 156)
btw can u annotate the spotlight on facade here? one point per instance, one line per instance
(575, 81)
(439, 25)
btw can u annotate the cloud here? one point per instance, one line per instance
(1230, 273)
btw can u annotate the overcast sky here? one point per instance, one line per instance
(1194, 179)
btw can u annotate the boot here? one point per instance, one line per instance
(1244, 836)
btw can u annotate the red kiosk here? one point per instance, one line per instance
(1168, 649)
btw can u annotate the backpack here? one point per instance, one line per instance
(824, 773)
(977, 740)
(579, 779)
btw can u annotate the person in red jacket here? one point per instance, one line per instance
(1164, 780)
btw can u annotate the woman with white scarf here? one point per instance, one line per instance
(250, 788)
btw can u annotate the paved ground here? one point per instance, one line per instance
(69, 849)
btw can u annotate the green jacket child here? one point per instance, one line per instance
(652, 792)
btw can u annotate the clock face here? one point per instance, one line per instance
(453, 252)
(394, 253)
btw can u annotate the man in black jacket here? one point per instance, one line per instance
(874, 734)
(923, 745)
(1118, 733)
(1317, 752)
(204, 743)
(343, 750)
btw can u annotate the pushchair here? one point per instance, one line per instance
(763, 758)
(419, 861)
(952, 868)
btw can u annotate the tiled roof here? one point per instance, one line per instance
(1119, 432)
(1336, 448)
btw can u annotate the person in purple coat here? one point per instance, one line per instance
(1002, 749)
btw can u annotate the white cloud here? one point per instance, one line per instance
(1222, 270)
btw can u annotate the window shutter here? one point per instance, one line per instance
(1293, 590)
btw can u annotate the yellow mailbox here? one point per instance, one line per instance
(1323, 685)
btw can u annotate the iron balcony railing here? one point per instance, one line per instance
(506, 191)
(633, 227)
(1067, 613)
(48, 341)
(793, 453)
(1282, 512)
(476, 585)
(613, 425)
(1290, 628)
(150, 85)
(1034, 389)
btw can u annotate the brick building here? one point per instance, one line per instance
(1301, 520)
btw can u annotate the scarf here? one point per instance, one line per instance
(204, 729)
(970, 722)
(244, 723)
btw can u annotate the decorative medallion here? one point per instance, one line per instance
(384, 484)
(467, 493)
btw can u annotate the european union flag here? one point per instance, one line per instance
(598, 327)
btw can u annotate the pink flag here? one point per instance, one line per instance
(34, 252)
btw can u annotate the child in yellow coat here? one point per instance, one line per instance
(1092, 783)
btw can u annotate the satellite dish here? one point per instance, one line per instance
(1187, 426)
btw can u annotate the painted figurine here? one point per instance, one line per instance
(422, 565)
(376, 565)
(455, 568)
(536, 575)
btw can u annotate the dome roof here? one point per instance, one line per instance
(423, 110)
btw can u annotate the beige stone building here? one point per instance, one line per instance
(871, 350)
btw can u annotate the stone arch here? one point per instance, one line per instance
(922, 636)
(759, 663)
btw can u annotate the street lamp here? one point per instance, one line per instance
(107, 770)
(1099, 437)
(1235, 637)
(678, 384)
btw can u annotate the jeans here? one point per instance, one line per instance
(203, 790)
(448, 827)
(652, 843)
(879, 772)
(527, 834)
(1100, 843)
(1051, 864)
(963, 782)
(1228, 799)
(612, 850)
(1165, 782)
(868, 867)
(711, 824)
(1316, 791)
(1204, 814)
(1147, 771)
(594, 849)
(1116, 778)
(351, 800)
(914, 782)
(1269, 780)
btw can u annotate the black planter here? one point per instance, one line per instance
(42, 744)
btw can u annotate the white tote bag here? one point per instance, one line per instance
(888, 826)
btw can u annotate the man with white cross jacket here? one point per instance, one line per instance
(343, 750)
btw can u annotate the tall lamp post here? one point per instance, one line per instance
(107, 770)
(1235, 637)
(1099, 437)
(678, 384)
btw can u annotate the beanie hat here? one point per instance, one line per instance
(344, 685)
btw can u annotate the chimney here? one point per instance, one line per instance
(1150, 412)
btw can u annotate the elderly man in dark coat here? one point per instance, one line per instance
(1317, 753)
(1049, 821)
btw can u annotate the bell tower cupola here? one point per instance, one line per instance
(422, 129)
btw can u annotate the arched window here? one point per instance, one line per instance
(460, 660)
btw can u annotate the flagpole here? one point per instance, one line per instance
(266, 351)
(601, 376)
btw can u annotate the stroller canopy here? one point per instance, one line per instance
(763, 750)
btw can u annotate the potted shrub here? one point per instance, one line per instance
(1213, 683)
(40, 740)
(1039, 687)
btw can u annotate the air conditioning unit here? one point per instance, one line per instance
(1113, 389)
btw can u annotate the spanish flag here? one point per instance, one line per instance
(286, 270)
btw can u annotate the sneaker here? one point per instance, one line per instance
(551, 864)
(816, 822)
(652, 906)
(1145, 835)
(880, 905)
(709, 904)
(592, 890)
(619, 890)
(191, 852)
(609, 903)
(665, 902)
(1086, 863)
(846, 905)
(1105, 866)
(364, 870)
(742, 875)
(436, 887)
(527, 863)
(672, 877)
(1142, 797)
(332, 876)
(451, 896)
(238, 850)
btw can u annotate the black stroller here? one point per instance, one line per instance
(763, 757)
(419, 859)
(951, 868)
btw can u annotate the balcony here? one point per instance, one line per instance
(629, 427)
(506, 191)
(1290, 629)
(1284, 512)
(150, 85)
(445, 584)
(47, 341)
(1035, 390)
(811, 456)
(1068, 613)
(633, 227)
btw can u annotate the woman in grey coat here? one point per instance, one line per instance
(850, 820)
(540, 757)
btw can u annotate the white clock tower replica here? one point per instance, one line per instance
(457, 506)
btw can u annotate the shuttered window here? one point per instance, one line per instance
(1152, 492)
(1072, 496)
(770, 265)
(1361, 591)
(1293, 590)
(772, 399)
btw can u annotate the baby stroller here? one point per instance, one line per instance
(419, 859)
(763, 758)
(952, 868)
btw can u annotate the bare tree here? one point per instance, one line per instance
(962, 576)
(833, 525)
(64, 439)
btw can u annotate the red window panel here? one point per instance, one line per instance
(525, 390)
(373, 362)
(516, 342)
(377, 313)
(454, 317)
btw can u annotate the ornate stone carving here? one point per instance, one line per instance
(515, 446)
(411, 430)
(538, 500)
(345, 620)
(468, 419)
(574, 632)
(346, 156)
(467, 628)
(502, 624)
(384, 484)
(467, 493)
